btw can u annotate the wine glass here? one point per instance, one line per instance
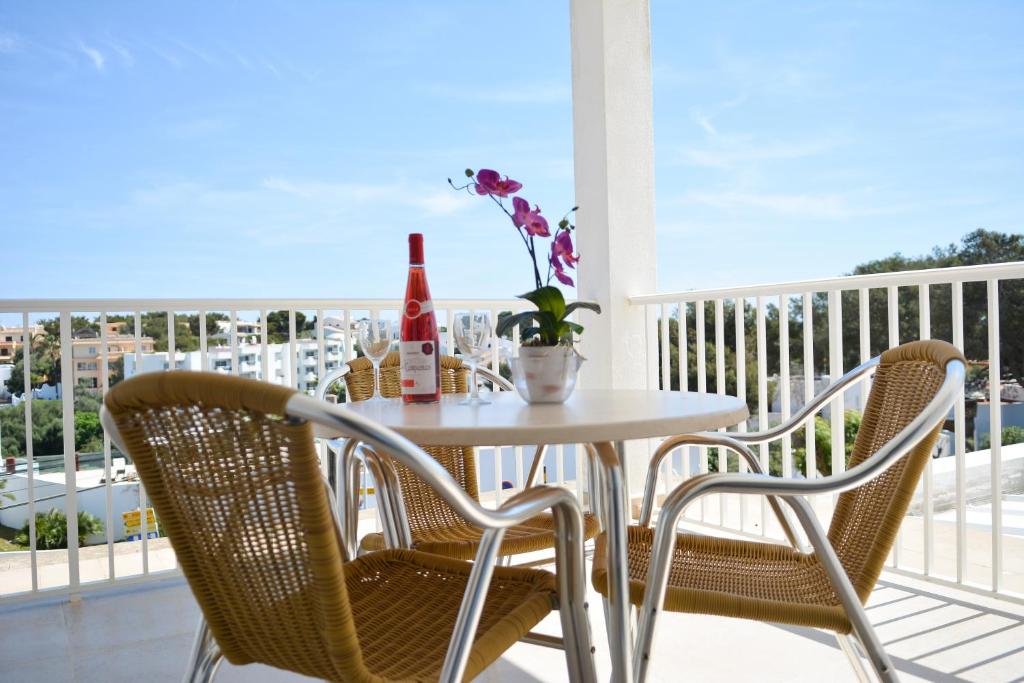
(473, 335)
(375, 338)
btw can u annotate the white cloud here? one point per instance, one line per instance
(704, 121)
(8, 44)
(170, 57)
(857, 203)
(127, 58)
(735, 151)
(522, 93)
(97, 58)
(804, 205)
(434, 202)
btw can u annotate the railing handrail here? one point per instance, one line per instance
(903, 278)
(233, 304)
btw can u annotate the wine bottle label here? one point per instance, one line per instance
(414, 308)
(419, 367)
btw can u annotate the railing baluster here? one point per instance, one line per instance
(925, 332)
(26, 355)
(785, 389)
(171, 353)
(960, 427)
(666, 360)
(348, 345)
(702, 386)
(293, 360)
(203, 353)
(811, 464)
(723, 457)
(835, 369)
(107, 483)
(321, 346)
(995, 430)
(893, 311)
(495, 351)
(233, 341)
(70, 466)
(740, 321)
(864, 316)
(762, 398)
(143, 500)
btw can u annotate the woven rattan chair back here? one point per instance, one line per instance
(426, 510)
(239, 491)
(867, 518)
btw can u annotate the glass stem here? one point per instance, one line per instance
(474, 391)
(376, 379)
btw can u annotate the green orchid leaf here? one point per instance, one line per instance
(548, 299)
(506, 324)
(528, 333)
(589, 305)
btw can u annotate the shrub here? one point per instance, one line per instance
(52, 529)
(1011, 435)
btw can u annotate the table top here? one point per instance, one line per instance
(589, 416)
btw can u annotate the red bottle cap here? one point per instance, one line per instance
(416, 248)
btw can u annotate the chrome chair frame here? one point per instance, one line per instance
(344, 467)
(793, 492)
(569, 560)
(740, 442)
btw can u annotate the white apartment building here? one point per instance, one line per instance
(250, 361)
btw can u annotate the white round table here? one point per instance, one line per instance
(603, 419)
(589, 416)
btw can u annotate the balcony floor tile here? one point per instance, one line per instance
(932, 632)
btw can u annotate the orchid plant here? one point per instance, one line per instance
(548, 325)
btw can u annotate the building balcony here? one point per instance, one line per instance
(948, 605)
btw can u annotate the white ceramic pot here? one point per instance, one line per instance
(546, 374)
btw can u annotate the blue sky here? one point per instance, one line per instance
(275, 149)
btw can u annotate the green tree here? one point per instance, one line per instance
(48, 426)
(45, 363)
(88, 432)
(976, 248)
(1011, 435)
(52, 530)
(277, 326)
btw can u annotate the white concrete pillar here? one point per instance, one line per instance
(613, 144)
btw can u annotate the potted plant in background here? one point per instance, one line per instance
(546, 367)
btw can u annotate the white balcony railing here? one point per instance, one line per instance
(959, 528)
(104, 483)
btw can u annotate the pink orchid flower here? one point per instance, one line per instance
(556, 264)
(535, 224)
(491, 182)
(561, 249)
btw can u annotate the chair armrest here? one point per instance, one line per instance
(329, 379)
(719, 439)
(831, 392)
(494, 378)
(385, 441)
(889, 453)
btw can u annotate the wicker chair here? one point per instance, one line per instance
(914, 387)
(232, 470)
(435, 527)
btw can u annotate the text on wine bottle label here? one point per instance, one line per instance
(419, 367)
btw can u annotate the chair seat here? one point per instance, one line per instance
(461, 541)
(405, 604)
(732, 578)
